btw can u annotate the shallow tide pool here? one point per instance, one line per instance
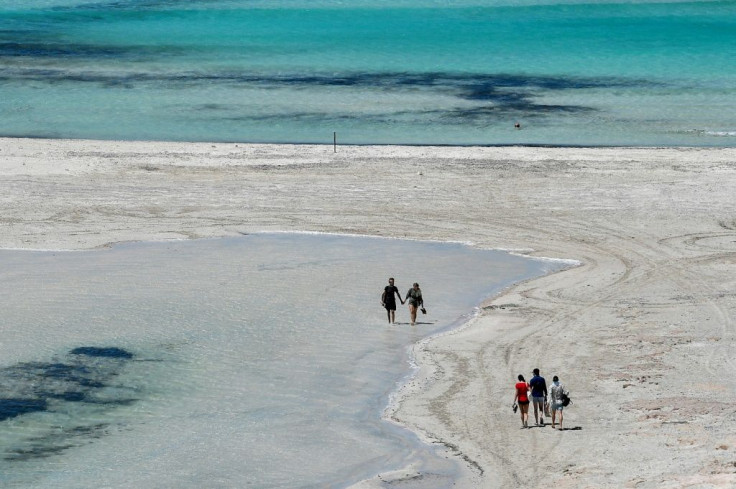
(259, 361)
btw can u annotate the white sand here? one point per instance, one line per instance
(642, 333)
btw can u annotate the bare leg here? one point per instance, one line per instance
(536, 413)
(413, 314)
(393, 317)
(525, 414)
(560, 420)
(541, 413)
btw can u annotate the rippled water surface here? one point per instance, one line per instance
(374, 71)
(262, 361)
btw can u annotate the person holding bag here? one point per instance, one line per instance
(559, 397)
(414, 297)
(522, 399)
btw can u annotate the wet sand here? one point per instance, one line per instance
(641, 332)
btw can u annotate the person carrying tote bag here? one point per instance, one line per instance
(414, 297)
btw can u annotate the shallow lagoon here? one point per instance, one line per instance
(260, 361)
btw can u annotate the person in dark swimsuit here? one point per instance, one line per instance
(522, 399)
(388, 300)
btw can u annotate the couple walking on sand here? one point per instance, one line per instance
(413, 297)
(537, 387)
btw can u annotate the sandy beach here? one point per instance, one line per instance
(641, 333)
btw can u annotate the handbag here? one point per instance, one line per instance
(565, 399)
(546, 409)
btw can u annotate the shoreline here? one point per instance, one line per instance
(420, 376)
(392, 144)
(639, 332)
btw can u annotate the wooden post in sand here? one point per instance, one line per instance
(334, 141)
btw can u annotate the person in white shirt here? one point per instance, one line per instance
(556, 393)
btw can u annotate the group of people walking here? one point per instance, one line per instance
(544, 401)
(413, 297)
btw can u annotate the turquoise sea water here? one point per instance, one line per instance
(374, 71)
(263, 361)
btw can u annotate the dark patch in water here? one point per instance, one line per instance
(474, 115)
(69, 396)
(84, 378)
(528, 108)
(10, 408)
(37, 451)
(133, 5)
(108, 352)
(53, 50)
(94, 430)
(482, 86)
(495, 96)
(56, 441)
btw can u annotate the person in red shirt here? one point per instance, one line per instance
(522, 399)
